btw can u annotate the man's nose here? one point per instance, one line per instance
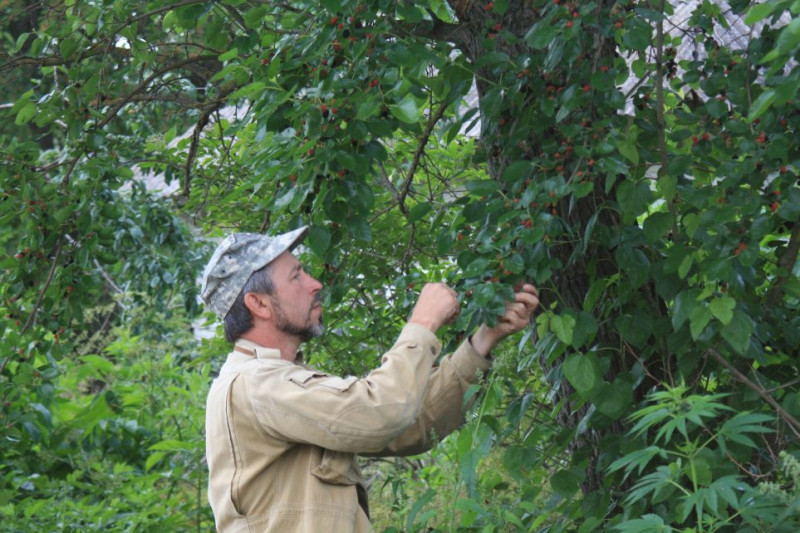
(315, 284)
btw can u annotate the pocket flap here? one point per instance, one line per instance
(338, 468)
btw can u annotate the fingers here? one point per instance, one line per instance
(518, 313)
(437, 305)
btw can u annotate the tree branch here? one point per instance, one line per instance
(202, 122)
(143, 85)
(792, 422)
(423, 142)
(32, 317)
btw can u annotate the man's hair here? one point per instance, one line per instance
(239, 319)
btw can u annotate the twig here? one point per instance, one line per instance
(32, 317)
(662, 142)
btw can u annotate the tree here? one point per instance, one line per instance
(660, 222)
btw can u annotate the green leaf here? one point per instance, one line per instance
(230, 54)
(738, 331)
(172, 445)
(657, 225)
(319, 239)
(613, 399)
(517, 170)
(359, 227)
(698, 320)
(25, 113)
(722, 309)
(419, 211)
(685, 303)
(482, 187)
(685, 266)
(759, 12)
(629, 151)
(565, 482)
(582, 371)
(634, 198)
(563, 326)
(761, 104)
(442, 10)
(153, 459)
(789, 37)
(540, 34)
(477, 268)
(406, 111)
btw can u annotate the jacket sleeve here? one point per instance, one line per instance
(295, 404)
(443, 408)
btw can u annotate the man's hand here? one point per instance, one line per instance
(436, 306)
(517, 317)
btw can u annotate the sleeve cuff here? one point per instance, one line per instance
(468, 361)
(418, 334)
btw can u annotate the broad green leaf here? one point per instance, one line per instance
(230, 54)
(172, 445)
(698, 320)
(517, 170)
(657, 225)
(482, 187)
(685, 303)
(738, 331)
(477, 268)
(419, 211)
(25, 113)
(613, 399)
(761, 104)
(634, 198)
(565, 482)
(582, 371)
(563, 326)
(722, 309)
(629, 151)
(685, 266)
(759, 12)
(319, 239)
(406, 111)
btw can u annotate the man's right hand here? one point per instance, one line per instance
(436, 306)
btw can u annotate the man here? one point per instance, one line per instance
(281, 438)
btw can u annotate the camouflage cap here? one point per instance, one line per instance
(235, 259)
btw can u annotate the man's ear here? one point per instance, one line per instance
(260, 305)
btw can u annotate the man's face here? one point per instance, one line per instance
(296, 301)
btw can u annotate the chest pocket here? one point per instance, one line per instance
(310, 378)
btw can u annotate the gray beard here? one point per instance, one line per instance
(304, 332)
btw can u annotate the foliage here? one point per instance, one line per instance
(642, 173)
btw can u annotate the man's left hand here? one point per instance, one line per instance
(517, 317)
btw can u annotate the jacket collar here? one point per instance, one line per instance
(261, 352)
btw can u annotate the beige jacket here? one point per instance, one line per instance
(281, 438)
